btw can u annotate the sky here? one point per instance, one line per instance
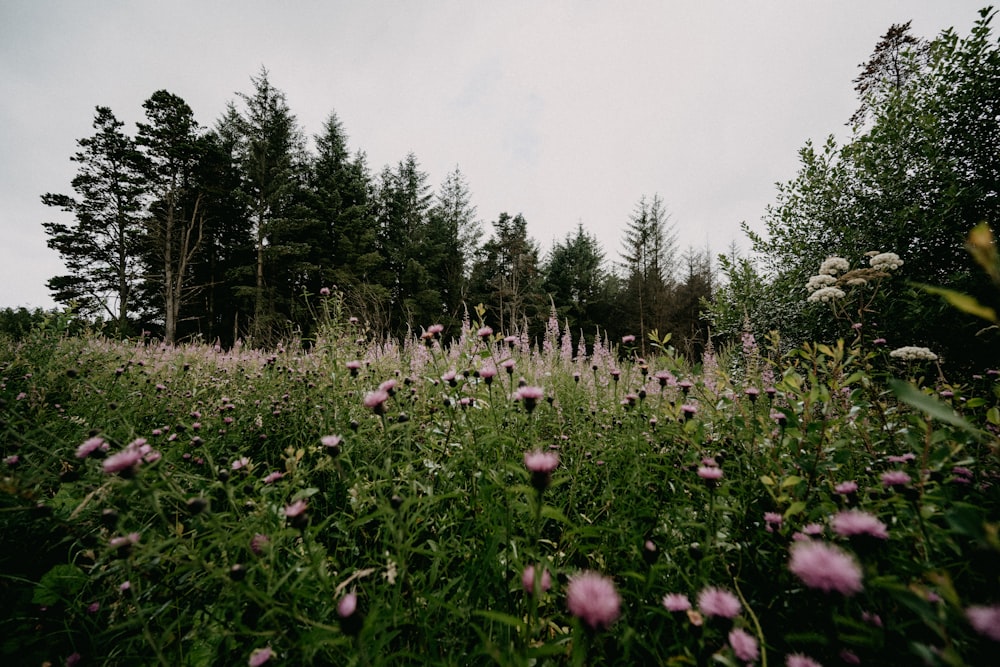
(566, 112)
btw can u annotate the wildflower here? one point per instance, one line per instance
(676, 602)
(685, 386)
(324, 291)
(593, 599)
(711, 474)
(856, 522)
(744, 645)
(895, 478)
(752, 393)
(353, 367)
(825, 567)
(347, 605)
(296, 514)
(12, 460)
(73, 659)
(879, 341)
(331, 443)
(820, 281)
(375, 401)
(528, 580)
(718, 602)
(484, 332)
(273, 477)
(487, 373)
(913, 353)
(799, 660)
(871, 618)
(834, 265)
(985, 620)
(846, 488)
(905, 458)
(240, 463)
(124, 462)
(826, 294)
(258, 543)
(689, 410)
(259, 656)
(90, 446)
(541, 465)
(773, 520)
(529, 395)
(628, 339)
(123, 541)
(886, 261)
(389, 387)
(435, 329)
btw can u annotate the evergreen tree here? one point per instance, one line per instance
(576, 281)
(453, 235)
(100, 248)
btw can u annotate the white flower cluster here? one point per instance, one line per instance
(912, 353)
(825, 294)
(820, 281)
(886, 261)
(831, 266)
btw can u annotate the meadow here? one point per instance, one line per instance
(348, 500)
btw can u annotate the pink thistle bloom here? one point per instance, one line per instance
(799, 660)
(324, 291)
(347, 605)
(295, 509)
(123, 541)
(331, 440)
(905, 458)
(985, 620)
(895, 478)
(435, 329)
(689, 410)
(125, 585)
(825, 567)
(676, 602)
(628, 339)
(710, 473)
(273, 477)
(508, 365)
(124, 461)
(375, 401)
(485, 332)
(529, 393)
(389, 386)
(718, 602)
(856, 522)
(773, 519)
(12, 460)
(744, 645)
(259, 656)
(541, 462)
(240, 463)
(846, 488)
(353, 367)
(258, 543)
(528, 580)
(90, 446)
(593, 599)
(487, 373)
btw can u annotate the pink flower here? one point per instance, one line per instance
(347, 605)
(856, 522)
(799, 660)
(773, 519)
(985, 620)
(90, 446)
(485, 332)
(529, 396)
(718, 602)
(825, 567)
(528, 580)
(260, 656)
(593, 599)
(435, 329)
(744, 645)
(125, 461)
(628, 339)
(273, 477)
(258, 542)
(331, 443)
(240, 463)
(541, 462)
(676, 602)
(375, 401)
(846, 488)
(295, 509)
(710, 473)
(895, 478)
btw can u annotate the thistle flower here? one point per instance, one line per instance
(592, 598)
(985, 620)
(676, 602)
(799, 660)
(375, 401)
(91, 446)
(528, 580)
(895, 478)
(851, 523)
(744, 645)
(529, 396)
(541, 465)
(825, 567)
(259, 656)
(714, 601)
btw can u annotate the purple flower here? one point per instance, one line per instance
(12, 460)
(347, 605)
(895, 478)
(529, 396)
(985, 620)
(856, 522)
(295, 509)
(718, 602)
(628, 339)
(273, 477)
(710, 473)
(375, 401)
(825, 567)
(90, 446)
(484, 332)
(905, 458)
(541, 462)
(773, 520)
(123, 541)
(676, 602)
(240, 463)
(593, 599)
(259, 656)
(689, 410)
(124, 462)
(744, 645)
(528, 580)
(324, 291)
(799, 660)
(846, 488)
(258, 543)
(331, 443)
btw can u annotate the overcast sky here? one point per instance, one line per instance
(567, 112)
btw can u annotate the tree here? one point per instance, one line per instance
(269, 149)
(101, 249)
(647, 260)
(575, 280)
(173, 150)
(453, 236)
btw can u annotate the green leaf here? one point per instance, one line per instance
(62, 582)
(964, 302)
(500, 617)
(795, 508)
(930, 406)
(791, 480)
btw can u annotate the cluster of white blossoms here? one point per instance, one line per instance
(913, 353)
(831, 266)
(820, 281)
(886, 261)
(824, 294)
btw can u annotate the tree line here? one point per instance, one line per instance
(231, 232)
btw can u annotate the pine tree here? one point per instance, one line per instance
(100, 248)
